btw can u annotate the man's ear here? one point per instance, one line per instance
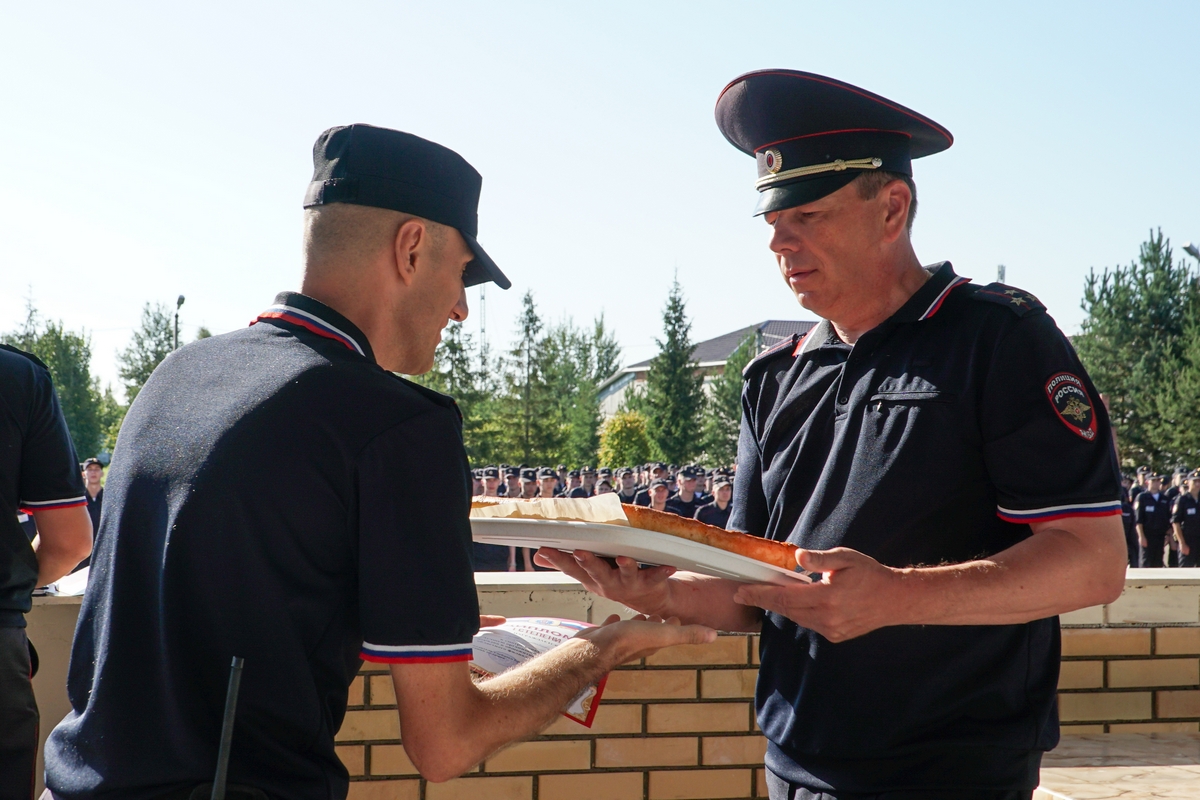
(897, 197)
(409, 240)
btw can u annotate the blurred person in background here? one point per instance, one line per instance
(39, 476)
(717, 512)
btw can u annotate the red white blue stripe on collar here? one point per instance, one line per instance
(1059, 512)
(941, 298)
(34, 506)
(415, 653)
(310, 322)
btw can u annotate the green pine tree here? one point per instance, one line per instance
(723, 411)
(1178, 433)
(1133, 339)
(674, 394)
(68, 355)
(152, 342)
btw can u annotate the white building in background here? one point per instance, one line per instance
(709, 357)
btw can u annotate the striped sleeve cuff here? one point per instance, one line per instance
(34, 506)
(1050, 513)
(415, 653)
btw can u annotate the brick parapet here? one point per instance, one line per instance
(680, 725)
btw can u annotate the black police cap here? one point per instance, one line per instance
(89, 462)
(491, 472)
(368, 166)
(811, 135)
(546, 472)
(528, 475)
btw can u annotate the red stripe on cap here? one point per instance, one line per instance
(837, 85)
(830, 133)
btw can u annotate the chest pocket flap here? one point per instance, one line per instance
(910, 388)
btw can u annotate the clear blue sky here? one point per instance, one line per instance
(160, 149)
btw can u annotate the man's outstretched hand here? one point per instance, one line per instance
(856, 594)
(644, 590)
(642, 636)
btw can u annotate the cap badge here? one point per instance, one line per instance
(773, 160)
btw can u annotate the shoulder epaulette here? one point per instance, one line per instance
(30, 356)
(784, 346)
(1018, 301)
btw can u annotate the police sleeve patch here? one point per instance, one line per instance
(1071, 403)
(1017, 301)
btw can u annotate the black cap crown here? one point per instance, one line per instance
(811, 135)
(383, 168)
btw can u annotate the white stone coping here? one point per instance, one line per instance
(1151, 597)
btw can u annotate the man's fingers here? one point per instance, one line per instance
(491, 620)
(760, 595)
(697, 634)
(828, 560)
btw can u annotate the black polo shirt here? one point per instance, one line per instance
(1152, 512)
(712, 514)
(935, 439)
(38, 471)
(1186, 512)
(259, 505)
(676, 505)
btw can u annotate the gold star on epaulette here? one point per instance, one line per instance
(1012, 291)
(1018, 301)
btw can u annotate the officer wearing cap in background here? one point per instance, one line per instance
(627, 490)
(39, 477)
(658, 472)
(1139, 485)
(1185, 519)
(203, 554)
(512, 482)
(687, 499)
(885, 678)
(1171, 493)
(717, 512)
(1152, 519)
(529, 484)
(586, 488)
(493, 557)
(1131, 539)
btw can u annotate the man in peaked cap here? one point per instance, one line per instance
(206, 553)
(887, 678)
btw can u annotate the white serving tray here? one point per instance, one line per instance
(648, 547)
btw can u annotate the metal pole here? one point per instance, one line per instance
(231, 695)
(178, 305)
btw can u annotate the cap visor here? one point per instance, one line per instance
(802, 192)
(482, 269)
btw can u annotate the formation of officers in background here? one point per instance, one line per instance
(690, 491)
(1162, 523)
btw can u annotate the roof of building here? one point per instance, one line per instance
(718, 350)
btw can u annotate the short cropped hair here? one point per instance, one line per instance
(869, 183)
(345, 232)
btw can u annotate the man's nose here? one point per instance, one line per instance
(460, 311)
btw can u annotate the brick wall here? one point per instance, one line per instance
(680, 725)
(1134, 666)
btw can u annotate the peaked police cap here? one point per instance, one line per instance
(811, 135)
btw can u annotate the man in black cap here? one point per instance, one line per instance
(717, 512)
(1185, 519)
(204, 554)
(493, 557)
(886, 678)
(627, 491)
(512, 482)
(1152, 520)
(687, 499)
